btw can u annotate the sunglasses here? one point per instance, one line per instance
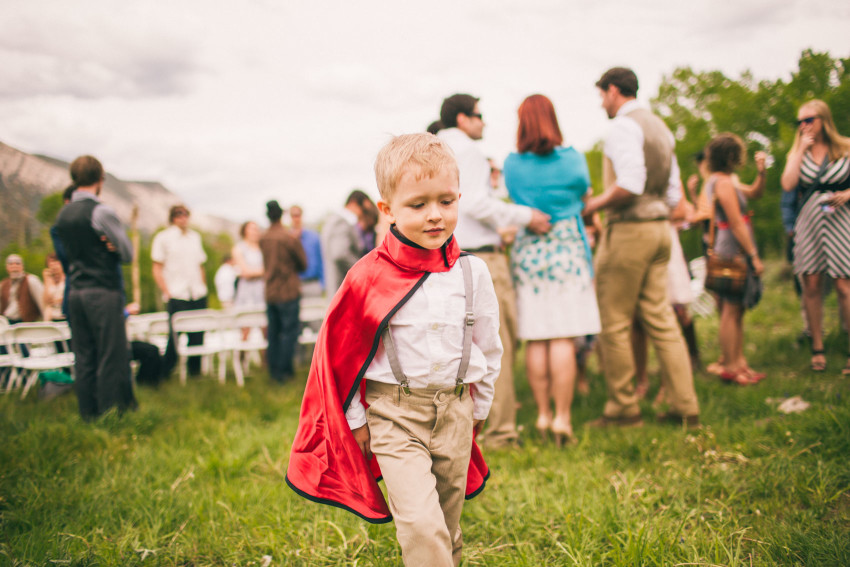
(477, 115)
(808, 120)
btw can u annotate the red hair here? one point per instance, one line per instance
(538, 130)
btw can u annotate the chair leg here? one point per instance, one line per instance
(237, 368)
(32, 378)
(222, 367)
(14, 378)
(183, 362)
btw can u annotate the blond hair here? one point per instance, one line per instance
(838, 145)
(424, 154)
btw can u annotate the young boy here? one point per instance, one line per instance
(422, 330)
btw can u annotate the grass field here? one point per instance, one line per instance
(196, 477)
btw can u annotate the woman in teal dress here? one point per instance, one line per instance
(556, 301)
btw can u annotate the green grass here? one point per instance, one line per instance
(196, 477)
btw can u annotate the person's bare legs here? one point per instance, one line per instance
(562, 368)
(812, 297)
(537, 371)
(731, 343)
(842, 290)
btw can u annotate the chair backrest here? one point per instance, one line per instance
(35, 335)
(312, 309)
(138, 326)
(196, 320)
(250, 318)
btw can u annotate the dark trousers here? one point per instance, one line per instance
(170, 357)
(284, 326)
(101, 352)
(150, 362)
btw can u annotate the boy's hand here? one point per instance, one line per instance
(361, 435)
(477, 425)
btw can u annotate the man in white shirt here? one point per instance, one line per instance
(178, 270)
(480, 217)
(642, 182)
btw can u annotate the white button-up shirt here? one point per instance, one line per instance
(624, 147)
(480, 211)
(181, 255)
(428, 335)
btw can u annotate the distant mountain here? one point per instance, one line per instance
(25, 179)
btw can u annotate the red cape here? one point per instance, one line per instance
(326, 464)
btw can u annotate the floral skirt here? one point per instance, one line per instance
(554, 283)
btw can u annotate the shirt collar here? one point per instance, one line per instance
(80, 195)
(409, 256)
(629, 106)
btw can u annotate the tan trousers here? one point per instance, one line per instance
(501, 422)
(631, 279)
(422, 441)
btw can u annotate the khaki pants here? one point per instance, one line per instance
(501, 422)
(631, 279)
(423, 441)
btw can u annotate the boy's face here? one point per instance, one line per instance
(424, 210)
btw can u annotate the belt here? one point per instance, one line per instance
(483, 249)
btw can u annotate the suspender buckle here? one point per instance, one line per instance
(459, 389)
(470, 318)
(405, 387)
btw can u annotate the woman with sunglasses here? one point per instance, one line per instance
(818, 165)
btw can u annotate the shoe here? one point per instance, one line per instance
(689, 421)
(755, 377)
(623, 422)
(543, 425)
(741, 378)
(563, 434)
(818, 362)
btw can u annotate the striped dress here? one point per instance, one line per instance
(822, 233)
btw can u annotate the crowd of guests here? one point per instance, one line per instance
(564, 281)
(454, 277)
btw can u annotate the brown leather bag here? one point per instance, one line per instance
(725, 276)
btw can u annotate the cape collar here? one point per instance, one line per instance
(408, 255)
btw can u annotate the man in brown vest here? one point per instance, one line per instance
(642, 182)
(21, 294)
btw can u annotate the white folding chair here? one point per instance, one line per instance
(208, 321)
(158, 331)
(39, 340)
(8, 372)
(703, 303)
(256, 320)
(311, 312)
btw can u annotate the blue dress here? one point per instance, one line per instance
(553, 272)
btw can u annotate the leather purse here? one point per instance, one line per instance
(725, 276)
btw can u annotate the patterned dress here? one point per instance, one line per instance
(552, 272)
(822, 232)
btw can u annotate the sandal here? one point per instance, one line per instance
(818, 363)
(740, 378)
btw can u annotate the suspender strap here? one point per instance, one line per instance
(469, 321)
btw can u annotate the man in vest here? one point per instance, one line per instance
(95, 245)
(21, 294)
(641, 184)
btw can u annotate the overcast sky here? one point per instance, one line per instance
(232, 103)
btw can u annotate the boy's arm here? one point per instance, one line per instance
(356, 418)
(485, 335)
